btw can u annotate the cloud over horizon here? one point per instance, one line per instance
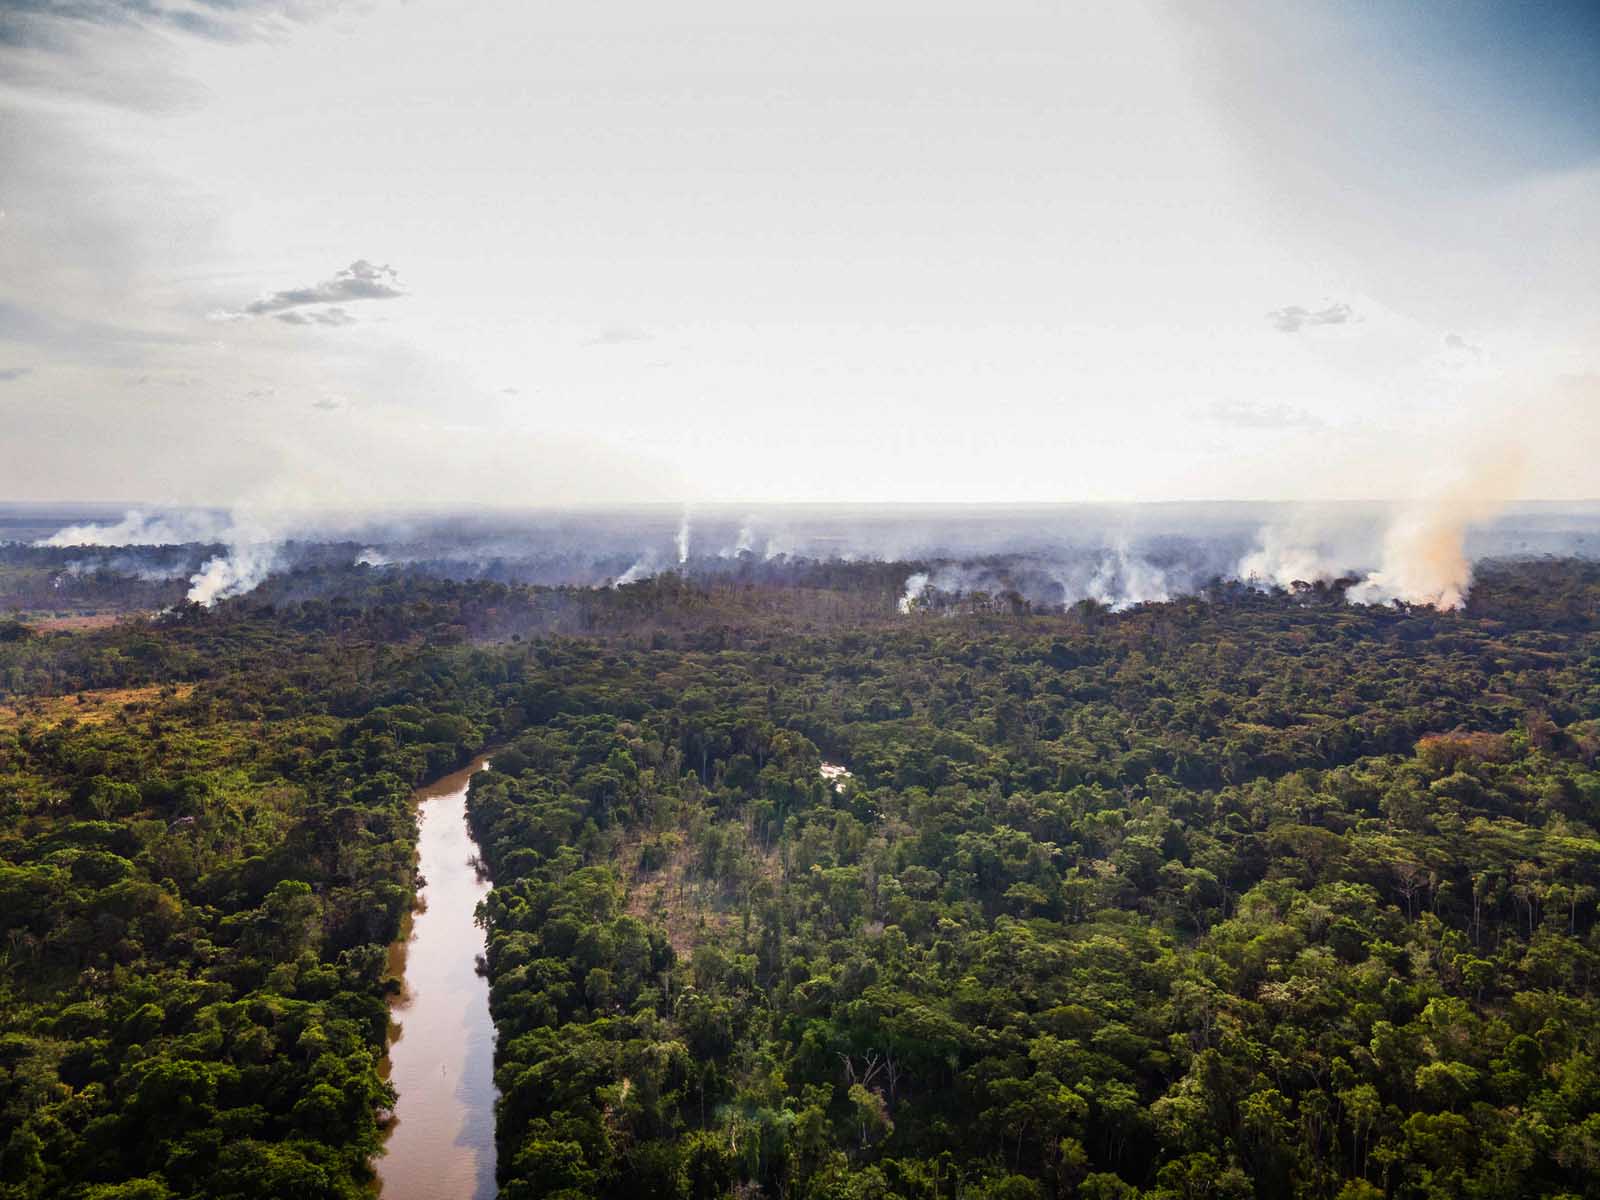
(326, 316)
(361, 280)
(44, 24)
(1294, 318)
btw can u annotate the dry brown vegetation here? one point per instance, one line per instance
(77, 622)
(93, 707)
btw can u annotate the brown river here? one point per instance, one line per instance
(441, 1060)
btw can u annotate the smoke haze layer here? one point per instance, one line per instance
(1116, 556)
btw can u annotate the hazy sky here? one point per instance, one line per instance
(446, 250)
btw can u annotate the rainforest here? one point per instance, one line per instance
(1254, 892)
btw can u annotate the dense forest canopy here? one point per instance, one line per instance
(1241, 895)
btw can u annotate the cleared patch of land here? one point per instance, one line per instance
(94, 707)
(76, 623)
(671, 883)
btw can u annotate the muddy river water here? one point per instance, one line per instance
(442, 1060)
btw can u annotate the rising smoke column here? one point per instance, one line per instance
(254, 552)
(1124, 579)
(1425, 550)
(915, 586)
(648, 563)
(1283, 557)
(644, 568)
(682, 539)
(1315, 543)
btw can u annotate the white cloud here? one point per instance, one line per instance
(1294, 318)
(361, 280)
(333, 315)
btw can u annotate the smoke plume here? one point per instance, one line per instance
(915, 586)
(140, 528)
(1425, 558)
(1296, 550)
(1124, 579)
(683, 539)
(254, 552)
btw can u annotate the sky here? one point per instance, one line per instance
(441, 252)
